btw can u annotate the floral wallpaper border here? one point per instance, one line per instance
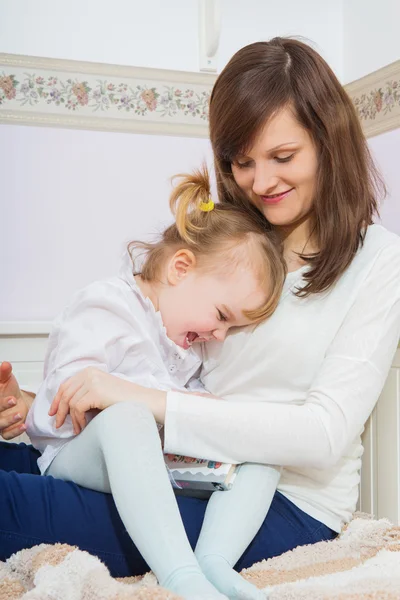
(82, 95)
(377, 99)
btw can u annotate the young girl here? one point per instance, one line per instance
(214, 269)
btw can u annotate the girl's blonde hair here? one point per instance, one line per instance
(221, 239)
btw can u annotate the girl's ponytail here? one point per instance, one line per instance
(191, 203)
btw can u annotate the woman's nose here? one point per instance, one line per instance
(265, 180)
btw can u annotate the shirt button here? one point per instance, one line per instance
(172, 368)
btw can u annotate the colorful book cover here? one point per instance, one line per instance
(200, 474)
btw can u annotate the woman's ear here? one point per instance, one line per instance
(182, 262)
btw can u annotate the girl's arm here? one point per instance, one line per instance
(97, 329)
(92, 389)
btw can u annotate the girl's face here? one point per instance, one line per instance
(199, 306)
(278, 174)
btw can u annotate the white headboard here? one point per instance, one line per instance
(23, 343)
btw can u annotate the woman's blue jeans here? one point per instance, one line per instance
(36, 510)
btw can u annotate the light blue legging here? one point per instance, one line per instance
(120, 452)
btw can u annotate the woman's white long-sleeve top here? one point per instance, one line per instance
(302, 384)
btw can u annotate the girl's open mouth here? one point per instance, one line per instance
(189, 339)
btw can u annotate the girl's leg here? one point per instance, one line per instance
(285, 527)
(232, 520)
(43, 510)
(120, 451)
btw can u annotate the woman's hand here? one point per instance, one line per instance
(93, 389)
(14, 404)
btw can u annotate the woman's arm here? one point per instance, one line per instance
(14, 404)
(315, 433)
(91, 389)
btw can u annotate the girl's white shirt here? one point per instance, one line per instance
(302, 384)
(109, 325)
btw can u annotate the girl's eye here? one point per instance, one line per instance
(221, 316)
(283, 159)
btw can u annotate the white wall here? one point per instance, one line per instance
(161, 34)
(321, 23)
(156, 33)
(371, 41)
(70, 200)
(44, 193)
(386, 151)
(371, 36)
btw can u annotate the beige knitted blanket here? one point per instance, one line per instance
(362, 563)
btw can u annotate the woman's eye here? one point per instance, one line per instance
(283, 159)
(242, 165)
(221, 316)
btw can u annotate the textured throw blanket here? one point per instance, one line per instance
(362, 563)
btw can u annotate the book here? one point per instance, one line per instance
(188, 473)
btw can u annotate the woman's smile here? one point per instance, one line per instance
(275, 198)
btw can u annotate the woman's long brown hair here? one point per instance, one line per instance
(266, 77)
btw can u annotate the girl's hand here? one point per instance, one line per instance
(14, 404)
(90, 389)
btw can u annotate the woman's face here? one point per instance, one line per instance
(278, 174)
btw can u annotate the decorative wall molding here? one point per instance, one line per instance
(84, 95)
(377, 99)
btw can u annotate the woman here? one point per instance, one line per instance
(287, 143)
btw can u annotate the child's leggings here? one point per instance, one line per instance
(120, 452)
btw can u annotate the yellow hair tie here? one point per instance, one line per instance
(207, 206)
